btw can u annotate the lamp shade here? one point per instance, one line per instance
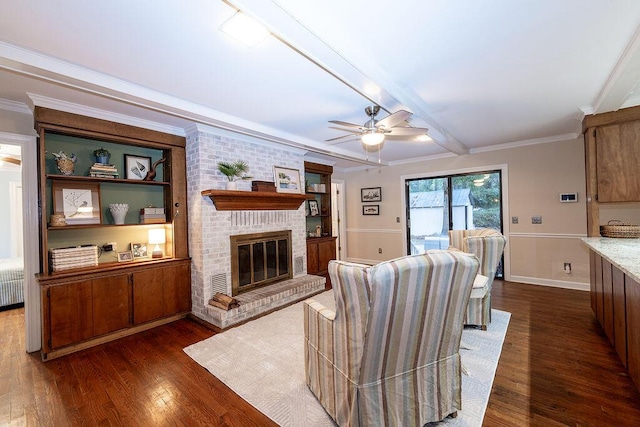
(156, 237)
(372, 138)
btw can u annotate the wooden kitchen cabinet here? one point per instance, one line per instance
(612, 156)
(632, 300)
(68, 314)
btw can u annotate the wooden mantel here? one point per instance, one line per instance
(228, 200)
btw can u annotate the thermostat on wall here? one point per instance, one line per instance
(568, 197)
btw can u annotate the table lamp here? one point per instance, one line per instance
(156, 237)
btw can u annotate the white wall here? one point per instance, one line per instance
(536, 174)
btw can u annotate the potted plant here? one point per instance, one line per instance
(233, 171)
(102, 155)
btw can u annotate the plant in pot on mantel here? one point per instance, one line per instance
(233, 171)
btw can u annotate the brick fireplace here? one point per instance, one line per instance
(210, 229)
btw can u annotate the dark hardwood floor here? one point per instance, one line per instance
(557, 368)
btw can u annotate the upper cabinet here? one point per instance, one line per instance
(617, 161)
(143, 181)
(612, 155)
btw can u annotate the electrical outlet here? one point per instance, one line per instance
(567, 267)
(108, 247)
(514, 220)
(536, 219)
(379, 250)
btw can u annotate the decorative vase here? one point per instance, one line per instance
(104, 159)
(118, 212)
(65, 166)
(232, 185)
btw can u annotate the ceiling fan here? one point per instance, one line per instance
(373, 132)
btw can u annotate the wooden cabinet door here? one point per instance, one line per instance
(632, 289)
(111, 304)
(177, 289)
(312, 257)
(617, 160)
(592, 281)
(619, 314)
(147, 295)
(607, 300)
(70, 313)
(326, 252)
(598, 267)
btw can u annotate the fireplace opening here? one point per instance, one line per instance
(260, 259)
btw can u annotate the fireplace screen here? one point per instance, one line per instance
(260, 259)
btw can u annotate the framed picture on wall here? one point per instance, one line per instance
(373, 194)
(371, 210)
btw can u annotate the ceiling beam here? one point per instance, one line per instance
(350, 67)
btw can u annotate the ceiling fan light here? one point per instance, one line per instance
(423, 138)
(372, 138)
(245, 29)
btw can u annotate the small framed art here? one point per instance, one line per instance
(78, 202)
(139, 250)
(371, 210)
(125, 256)
(287, 180)
(313, 208)
(371, 194)
(137, 167)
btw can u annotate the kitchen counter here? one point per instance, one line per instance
(623, 253)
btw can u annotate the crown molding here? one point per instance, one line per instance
(526, 142)
(69, 107)
(18, 107)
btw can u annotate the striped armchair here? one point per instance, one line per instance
(488, 245)
(389, 354)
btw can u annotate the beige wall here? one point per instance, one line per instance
(534, 176)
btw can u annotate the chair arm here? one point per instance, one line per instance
(318, 327)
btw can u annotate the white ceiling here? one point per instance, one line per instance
(479, 74)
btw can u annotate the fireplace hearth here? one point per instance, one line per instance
(260, 259)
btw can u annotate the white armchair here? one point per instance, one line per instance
(488, 245)
(389, 354)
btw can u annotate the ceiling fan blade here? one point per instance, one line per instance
(342, 139)
(346, 124)
(393, 119)
(406, 131)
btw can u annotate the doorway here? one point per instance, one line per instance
(464, 201)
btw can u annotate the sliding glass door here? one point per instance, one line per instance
(452, 202)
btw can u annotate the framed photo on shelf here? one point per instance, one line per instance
(78, 202)
(313, 208)
(136, 167)
(371, 210)
(371, 194)
(125, 256)
(287, 180)
(139, 250)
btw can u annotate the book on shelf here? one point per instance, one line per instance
(150, 210)
(161, 220)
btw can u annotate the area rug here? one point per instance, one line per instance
(263, 362)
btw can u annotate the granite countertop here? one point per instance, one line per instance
(623, 253)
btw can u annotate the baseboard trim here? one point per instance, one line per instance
(578, 286)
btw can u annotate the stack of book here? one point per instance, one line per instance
(152, 216)
(103, 170)
(76, 257)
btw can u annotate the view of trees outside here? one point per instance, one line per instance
(475, 203)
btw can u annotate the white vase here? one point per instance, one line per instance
(118, 212)
(232, 185)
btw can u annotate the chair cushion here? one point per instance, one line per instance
(480, 286)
